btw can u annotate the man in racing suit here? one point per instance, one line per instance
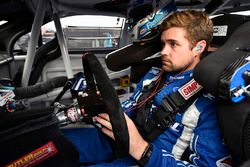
(185, 37)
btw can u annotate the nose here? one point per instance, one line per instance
(165, 50)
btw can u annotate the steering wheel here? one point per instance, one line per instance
(93, 70)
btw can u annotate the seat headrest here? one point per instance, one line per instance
(224, 26)
(209, 70)
(131, 54)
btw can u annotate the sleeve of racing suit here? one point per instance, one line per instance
(206, 145)
(129, 105)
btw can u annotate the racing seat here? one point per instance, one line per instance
(228, 70)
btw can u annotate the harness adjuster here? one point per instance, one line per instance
(169, 105)
(166, 122)
(170, 108)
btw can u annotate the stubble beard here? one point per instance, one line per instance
(170, 67)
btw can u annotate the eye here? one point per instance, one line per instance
(172, 44)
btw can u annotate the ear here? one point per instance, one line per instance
(199, 47)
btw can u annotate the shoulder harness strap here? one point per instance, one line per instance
(176, 102)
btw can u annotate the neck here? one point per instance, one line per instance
(192, 65)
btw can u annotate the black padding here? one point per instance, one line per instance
(138, 70)
(25, 131)
(41, 88)
(234, 121)
(14, 149)
(134, 53)
(230, 22)
(208, 71)
(44, 54)
(19, 122)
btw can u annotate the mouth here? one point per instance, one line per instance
(166, 62)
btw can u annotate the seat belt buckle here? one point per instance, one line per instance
(170, 108)
(165, 122)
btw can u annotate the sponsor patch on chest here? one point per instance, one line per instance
(189, 89)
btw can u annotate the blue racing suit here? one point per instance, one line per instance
(195, 130)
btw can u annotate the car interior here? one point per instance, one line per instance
(41, 85)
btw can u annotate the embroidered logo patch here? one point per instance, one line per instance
(189, 89)
(36, 156)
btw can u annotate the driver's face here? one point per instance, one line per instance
(176, 52)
